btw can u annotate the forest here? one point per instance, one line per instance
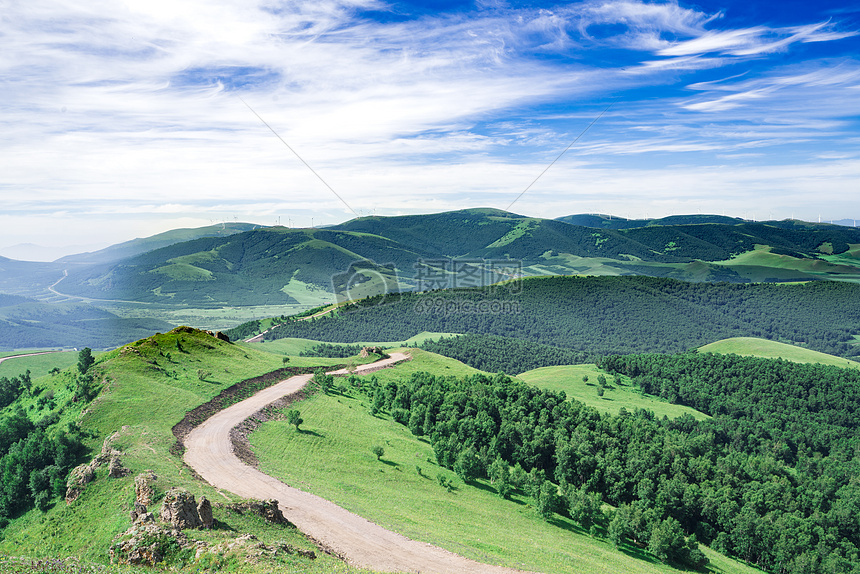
(771, 478)
(495, 354)
(600, 316)
(35, 458)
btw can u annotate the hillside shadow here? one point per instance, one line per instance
(221, 525)
(638, 553)
(567, 526)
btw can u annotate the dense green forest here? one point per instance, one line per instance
(771, 481)
(32, 324)
(35, 458)
(496, 354)
(606, 315)
(332, 351)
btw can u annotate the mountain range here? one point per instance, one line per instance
(241, 265)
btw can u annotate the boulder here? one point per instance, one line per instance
(144, 490)
(365, 351)
(204, 511)
(78, 479)
(116, 469)
(180, 509)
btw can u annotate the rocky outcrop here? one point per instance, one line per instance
(204, 511)
(144, 544)
(78, 480)
(85, 473)
(144, 488)
(180, 509)
(365, 351)
(116, 469)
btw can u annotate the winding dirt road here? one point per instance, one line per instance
(357, 540)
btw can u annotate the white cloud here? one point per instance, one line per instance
(115, 109)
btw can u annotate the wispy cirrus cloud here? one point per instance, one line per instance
(131, 106)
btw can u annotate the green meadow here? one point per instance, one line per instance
(38, 365)
(754, 347)
(331, 457)
(147, 388)
(569, 378)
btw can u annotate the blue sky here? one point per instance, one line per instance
(126, 118)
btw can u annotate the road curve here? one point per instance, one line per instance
(362, 543)
(28, 355)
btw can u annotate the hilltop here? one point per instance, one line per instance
(223, 275)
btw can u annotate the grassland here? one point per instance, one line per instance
(293, 346)
(150, 384)
(332, 458)
(753, 347)
(38, 365)
(568, 378)
(147, 388)
(761, 264)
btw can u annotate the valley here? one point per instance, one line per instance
(582, 409)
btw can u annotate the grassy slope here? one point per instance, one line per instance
(292, 346)
(38, 365)
(568, 378)
(150, 386)
(751, 346)
(332, 458)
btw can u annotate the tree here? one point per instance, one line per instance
(286, 360)
(619, 526)
(85, 360)
(468, 465)
(547, 500)
(294, 418)
(378, 451)
(584, 507)
(667, 541)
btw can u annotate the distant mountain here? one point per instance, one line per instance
(144, 244)
(845, 222)
(33, 252)
(601, 221)
(280, 266)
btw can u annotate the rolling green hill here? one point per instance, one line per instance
(225, 275)
(147, 387)
(145, 244)
(754, 347)
(604, 315)
(278, 265)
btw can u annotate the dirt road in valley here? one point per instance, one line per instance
(359, 541)
(28, 355)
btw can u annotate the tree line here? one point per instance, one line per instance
(747, 482)
(601, 316)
